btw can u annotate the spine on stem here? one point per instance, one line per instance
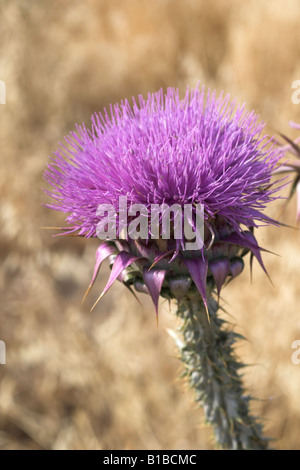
(207, 350)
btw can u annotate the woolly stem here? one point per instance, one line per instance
(212, 368)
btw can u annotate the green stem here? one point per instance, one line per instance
(213, 371)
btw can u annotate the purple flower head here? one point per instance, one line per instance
(164, 149)
(201, 149)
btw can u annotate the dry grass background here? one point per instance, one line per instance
(108, 379)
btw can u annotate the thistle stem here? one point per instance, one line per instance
(212, 368)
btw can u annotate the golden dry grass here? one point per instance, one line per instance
(108, 380)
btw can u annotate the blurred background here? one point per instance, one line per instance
(109, 379)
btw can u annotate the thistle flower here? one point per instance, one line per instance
(164, 150)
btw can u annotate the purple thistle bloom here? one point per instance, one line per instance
(200, 149)
(164, 149)
(203, 150)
